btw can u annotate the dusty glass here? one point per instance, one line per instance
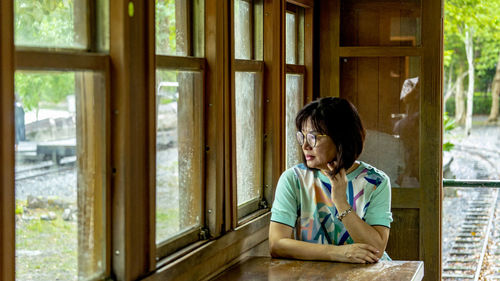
(51, 24)
(248, 137)
(291, 38)
(386, 92)
(179, 112)
(294, 102)
(375, 23)
(242, 29)
(60, 175)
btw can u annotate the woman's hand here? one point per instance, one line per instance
(339, 184)
(358, 253)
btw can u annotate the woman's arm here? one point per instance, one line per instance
(282, 244)
(360, 231)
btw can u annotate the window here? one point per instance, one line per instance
(61, 140)
(298, 69)
(247, 106)
(179, 115)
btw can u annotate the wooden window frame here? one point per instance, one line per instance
(254, 208)
(180, 240)
(49, 61)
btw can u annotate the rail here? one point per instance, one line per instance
(471, 183)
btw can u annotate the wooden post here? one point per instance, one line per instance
(132, 87)
(7, 205)
(91, 183)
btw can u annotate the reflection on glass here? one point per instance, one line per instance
(291, 38)
(58, 24)
(242, 30)
(294, 102)
(386, 92)
(248, 137)
(102, 19)
(178, 154)
(171, 28)
(374, 23)
(60, 175)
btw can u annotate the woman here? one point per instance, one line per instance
(339, 207)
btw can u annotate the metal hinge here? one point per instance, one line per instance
(204, 233)
(263, 204)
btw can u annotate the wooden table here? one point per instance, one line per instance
(266, 268)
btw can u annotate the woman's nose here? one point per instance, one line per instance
(306, 146)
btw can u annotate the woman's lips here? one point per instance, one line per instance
(309, 157)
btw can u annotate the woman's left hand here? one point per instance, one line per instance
(339, 184)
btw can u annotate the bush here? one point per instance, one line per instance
(481, 104)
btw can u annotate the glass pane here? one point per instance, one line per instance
(248, 136)
(60, 175)
(176, 35)
(380, 23)
(58, 23)
(259, 29)
(178, 152)
(386, 92)
(242, 30)
(291, 38)
(102, 25)
(294, 102)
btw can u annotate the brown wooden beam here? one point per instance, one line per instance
(248, 65)
(379, 51)
(45, 60)
(180, 63)
(132, 86)
(7, 205)
(295, 69)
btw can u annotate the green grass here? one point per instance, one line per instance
(46, 250)
(167, 223)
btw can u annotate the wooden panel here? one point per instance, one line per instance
(368, 28)
(217, 106)
(36, 60)
(379, 51)
(217, 255)
(308, 54)
(7, 205)
(91, 172)
(349, 85)
(273, 95)
(431, 137)
(329, 32)
(295, 69)
(405, 235)
(180, 63)
(248, 65)
(132, 68)
(302, 3)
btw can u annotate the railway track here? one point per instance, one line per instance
(42, 169)
(474, 253)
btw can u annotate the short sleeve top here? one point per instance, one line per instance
(303, 200)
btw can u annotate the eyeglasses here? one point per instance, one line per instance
(311, 139)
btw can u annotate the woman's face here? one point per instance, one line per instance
(325, 150)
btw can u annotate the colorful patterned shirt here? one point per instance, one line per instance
(305, 194)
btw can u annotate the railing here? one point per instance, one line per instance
(471, 183)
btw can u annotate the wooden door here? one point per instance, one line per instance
(385, 57)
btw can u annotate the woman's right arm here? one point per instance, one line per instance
(282, 244)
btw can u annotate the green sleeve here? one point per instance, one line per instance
(379, 210)
(286, 202)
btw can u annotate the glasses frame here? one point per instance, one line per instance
(300, 138)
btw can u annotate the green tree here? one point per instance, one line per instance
(34, 88)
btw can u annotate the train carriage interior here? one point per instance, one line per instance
(144, 140)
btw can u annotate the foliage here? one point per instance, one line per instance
(481, 103)
(44, 23)
(165, 27)
(484, 18)
(448, 126)
(34, 88)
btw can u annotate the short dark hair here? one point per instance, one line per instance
(339, 119)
